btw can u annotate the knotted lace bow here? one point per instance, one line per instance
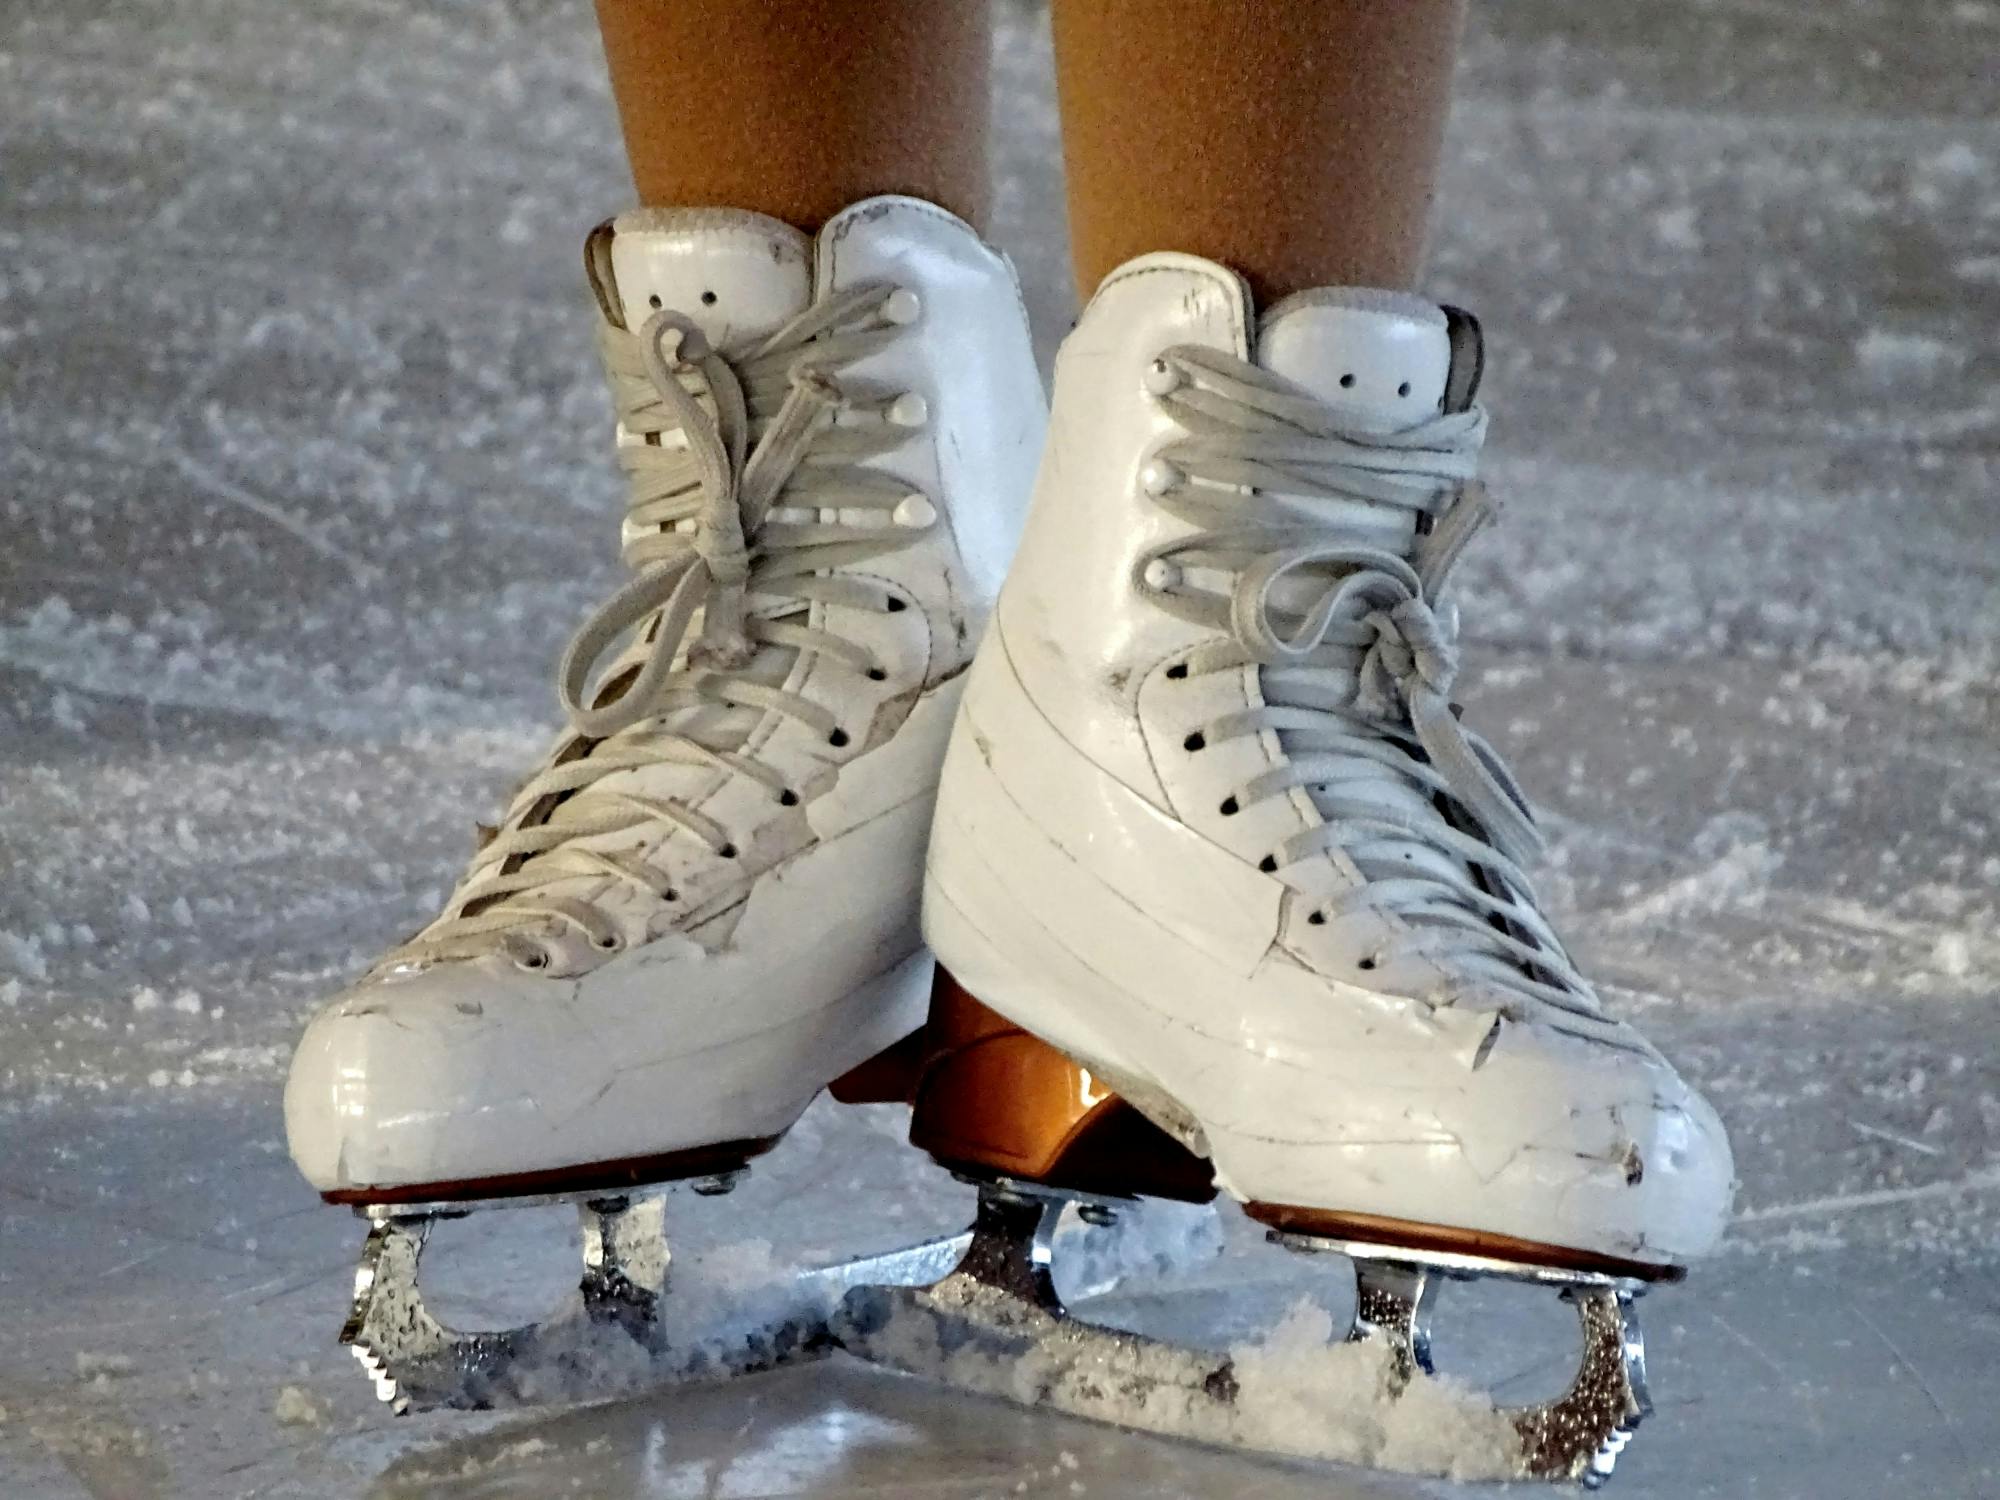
(749, 478)
(706, 570)
(1295, 512)
(1409, 663)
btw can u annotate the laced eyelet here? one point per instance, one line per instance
(837, 739)
(1229, 808)
(1158, 476)
(1194, 741)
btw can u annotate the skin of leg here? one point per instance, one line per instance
(1297, 142)
(796, 108)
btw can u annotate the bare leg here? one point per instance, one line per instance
(796, 108)
(1295, 142)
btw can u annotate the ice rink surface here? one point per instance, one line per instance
(304, 477)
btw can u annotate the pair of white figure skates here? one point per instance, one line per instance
(1221, 893)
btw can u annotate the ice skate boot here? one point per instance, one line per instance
(703, 906)
(1218, 872)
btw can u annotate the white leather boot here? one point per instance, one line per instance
(703, 907)
(1211, 830)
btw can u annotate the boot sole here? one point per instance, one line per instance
(995, 1101)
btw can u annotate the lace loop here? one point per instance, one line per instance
(1319, 550)
(723, 508)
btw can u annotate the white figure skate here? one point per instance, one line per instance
(703, 908)
(1220, 887)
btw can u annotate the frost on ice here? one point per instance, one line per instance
(297, 1408)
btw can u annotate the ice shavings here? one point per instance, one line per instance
(728, 1309)
(1295, 1390)
(1300, 1391)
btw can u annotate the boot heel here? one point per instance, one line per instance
(992, 1100)
(889, 1077)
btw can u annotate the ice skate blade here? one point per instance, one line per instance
(997, 1327)
(1579, 1435)
(608, 1336)
(417, 1363)
(612, 1322)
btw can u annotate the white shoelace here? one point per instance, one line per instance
(764, 495)
(1356, 658)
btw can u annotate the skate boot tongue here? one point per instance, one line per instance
(1383, 362)
(735, 275)
(1380, 359)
